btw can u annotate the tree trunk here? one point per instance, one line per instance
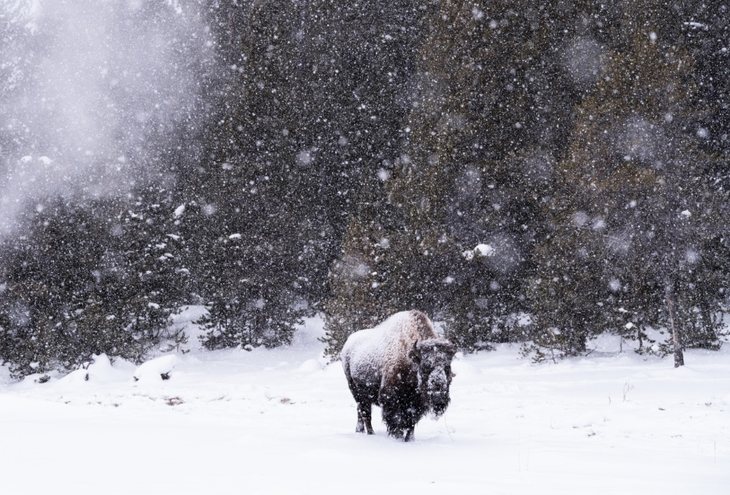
(673, 325)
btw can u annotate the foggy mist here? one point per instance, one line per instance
(91, 88)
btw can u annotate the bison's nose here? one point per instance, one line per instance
(439, 397)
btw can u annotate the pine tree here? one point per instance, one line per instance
(458, 181)
(634, 200)
(90, 279)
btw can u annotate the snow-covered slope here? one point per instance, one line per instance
(282, 422)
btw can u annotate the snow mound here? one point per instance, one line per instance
(156, 369)
(311, 365)
(100, 370)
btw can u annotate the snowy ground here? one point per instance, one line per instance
(281, 422)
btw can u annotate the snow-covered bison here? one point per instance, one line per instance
(402, 366)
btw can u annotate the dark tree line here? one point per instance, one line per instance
(537, 172)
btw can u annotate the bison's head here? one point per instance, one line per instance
(433, 359)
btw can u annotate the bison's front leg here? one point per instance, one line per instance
(395, 416)
(400, 402)
(364, 418)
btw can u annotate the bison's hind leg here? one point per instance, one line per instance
(409, 434)
(364, 418)
(360, 428)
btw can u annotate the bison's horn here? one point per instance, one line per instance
(414, 354)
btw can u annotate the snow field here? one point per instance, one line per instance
(282, 422)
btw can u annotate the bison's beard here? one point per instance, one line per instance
(439, 405)
(437, 393)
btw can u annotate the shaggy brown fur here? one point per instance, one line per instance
(402, 366)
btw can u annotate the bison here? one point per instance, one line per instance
(402, 366)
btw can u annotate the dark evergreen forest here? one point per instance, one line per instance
(523, 171)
